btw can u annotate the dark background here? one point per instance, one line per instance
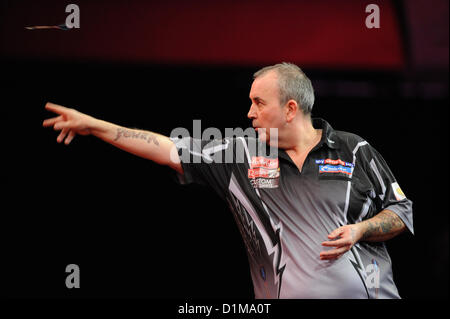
(131, 229)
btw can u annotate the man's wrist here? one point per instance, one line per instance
(360, 230)
(101, 128)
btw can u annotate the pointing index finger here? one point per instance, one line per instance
(55, 108)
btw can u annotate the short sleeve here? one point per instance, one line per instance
(388, 194)
(205, 162)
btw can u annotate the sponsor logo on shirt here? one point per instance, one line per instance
(335, 169)
(335, 166)
(399, 195)
(264, 182)
(264, 172)
(334, 162)
(261, 161)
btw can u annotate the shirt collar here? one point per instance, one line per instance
(328, 137)
(328, 134)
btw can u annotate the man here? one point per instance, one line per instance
(314, 216)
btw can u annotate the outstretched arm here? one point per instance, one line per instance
(149, 145)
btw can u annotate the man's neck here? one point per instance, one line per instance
(301, 137)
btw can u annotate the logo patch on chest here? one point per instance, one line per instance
(264, 172)
(337, 166)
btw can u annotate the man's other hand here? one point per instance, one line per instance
(343, 238)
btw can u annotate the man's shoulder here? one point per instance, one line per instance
(348, 140)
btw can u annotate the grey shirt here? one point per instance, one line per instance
(284, 215)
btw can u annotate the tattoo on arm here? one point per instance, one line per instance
(126, 133)
(383, 226)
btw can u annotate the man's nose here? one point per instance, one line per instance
(252, 112)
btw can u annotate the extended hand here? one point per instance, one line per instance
(70, 122)
(348, 236)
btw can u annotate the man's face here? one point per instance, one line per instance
(265, 111)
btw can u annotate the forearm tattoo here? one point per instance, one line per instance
(385, 225)
(126, 133)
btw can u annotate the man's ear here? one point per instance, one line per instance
(291, 110)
